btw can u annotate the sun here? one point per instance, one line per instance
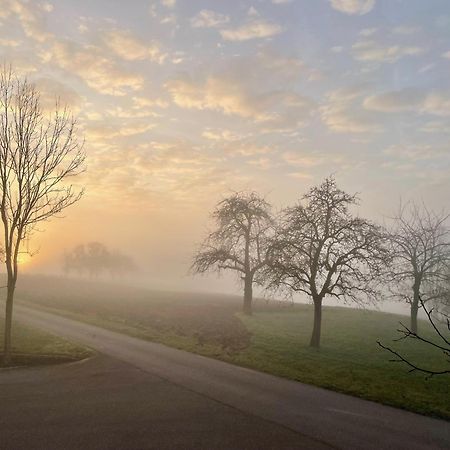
(23, 258)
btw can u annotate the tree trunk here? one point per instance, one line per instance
(315, 337)
(8, 322)
(248, 294)
(415, 306)
(414, 311)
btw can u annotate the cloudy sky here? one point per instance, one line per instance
(182, 101)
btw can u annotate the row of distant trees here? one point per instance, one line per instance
(322, 248)
(95, 259)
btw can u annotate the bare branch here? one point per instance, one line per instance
(322, 249)
(240, 241)
(419, 242)
(407, 333)
(38, 155)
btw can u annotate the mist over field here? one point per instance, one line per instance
(225, 224)
(182, 103)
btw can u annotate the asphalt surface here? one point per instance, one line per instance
(182, 400)
(104, 403)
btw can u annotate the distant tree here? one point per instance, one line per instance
(97, 258)
(94, 259)
(443, 302)
(37, 156)
(321, 249)
(120, 264)
(239, 242)
(420, 247)
(74, 260)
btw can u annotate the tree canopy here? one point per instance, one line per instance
(322, 249)
(243, 224)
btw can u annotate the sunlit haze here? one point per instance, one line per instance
(182, 102)
(224, 224)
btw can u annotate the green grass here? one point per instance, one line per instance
(350, 360)
(34, 347)
(274, 340)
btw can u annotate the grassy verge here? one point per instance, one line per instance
(350, 361)
(33, 347)
(274, 340)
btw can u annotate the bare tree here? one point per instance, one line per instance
(441, 342)
(240, 241)
(38, 153)
(420, 246)
(94, 259)
(322, 249)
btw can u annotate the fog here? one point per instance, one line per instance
(162, 243)
(211, 108)
(224, 224)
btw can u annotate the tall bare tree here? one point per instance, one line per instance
(322, 249)
(240, 241)
(38, 153)
(419, 241)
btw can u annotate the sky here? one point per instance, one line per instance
(181, 102)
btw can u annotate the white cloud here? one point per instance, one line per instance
(406, 29)
(145, 102)
(169, 3)
(9, 43)
(221, 135)
(303, 160)
(98, 71)
(262, 163)
(416, 152)
(215, 94)
(171, 19)
(47, 7)
(52, 90)
(252, 11)
(343, 120)
(436, 127)
(247, 149)
(276, 67)
(351, 7)
(346, 94)
(337, 49)
(371, 51)
(124, 44)
(209, 19)
(275, 110)
(31, 17)
(301, 175)
(342, 113)
(427, 68)
(446, 55)
(122, 129)
(255, 29)
(366, 32)
(281, 2)
(437, 103)
(408, 99)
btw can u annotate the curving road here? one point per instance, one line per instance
(319, 418)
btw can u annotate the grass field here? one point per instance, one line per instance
(274, 340)
(34, 347)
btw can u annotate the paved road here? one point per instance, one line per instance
(320, 418)
(105, 404)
